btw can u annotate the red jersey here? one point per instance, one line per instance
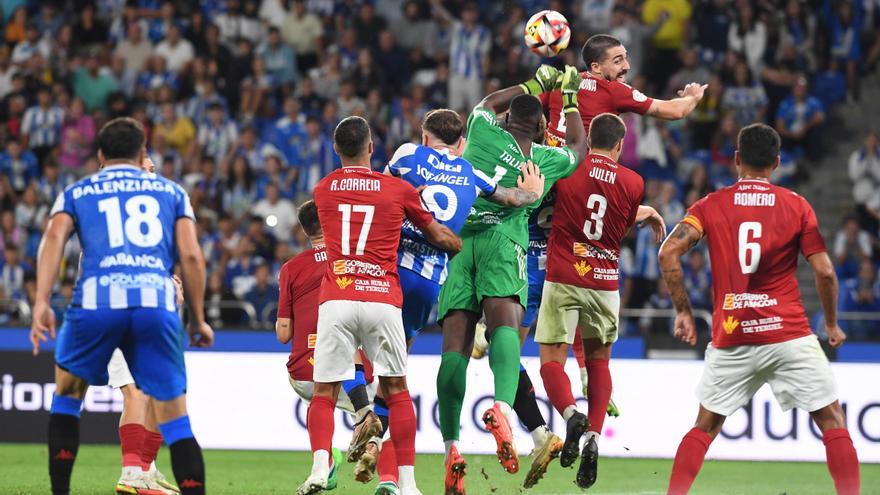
(595, 207)
(754, 230)
(299, 285)
(361, 214)
(596, 95)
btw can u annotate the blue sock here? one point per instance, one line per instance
(66, 405)
(521, 367)
(349, 385)
(176, 430)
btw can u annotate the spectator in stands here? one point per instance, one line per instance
(14, 31)
(89, 31)
(32, 45)
(798, 119)
(698, 280)
(11, 234)
(12, 272)
(279, 57)
(845, 23)
(216, 294)
(748, 36)
(673, 16)
(415, 31)
(671, 208)
(177, 131)
(217, 135)
(283, 177)
(861, 294)
(19, 165)
(745, 98)
(263, 294)
(852, 245)
(91, 86)
(50, 184)
(29, 212)
(278, 213)
(175, 49)
(239, 193)
(303, 30)
(864, 172)
(691, 71)
(660, 300)
(468, 55)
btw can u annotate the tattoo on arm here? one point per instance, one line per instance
(512, 196)
(682, 239)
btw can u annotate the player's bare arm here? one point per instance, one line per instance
(826, 286)
(192, 264)
(48, 263)
(647, 216)
(283, 330)
(679, 242)
(440, 236)
(530, 185)
(678, 108)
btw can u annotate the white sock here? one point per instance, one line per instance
(505, 408)
(569, 412)
(321, 463)
(592, 434)
(132, 472)
(539, 435)
(153, 467)
(449, 444)
(406, 477)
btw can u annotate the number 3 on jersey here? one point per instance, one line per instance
(142, 212)
(749, 252)
(593, 225)
(346, 210)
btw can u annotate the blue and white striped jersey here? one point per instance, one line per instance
(125, 219)
(539, 228)
(43, 126)
(452, 187)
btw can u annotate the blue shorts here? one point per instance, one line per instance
(537, 268)
(151, 339)
(419, 298)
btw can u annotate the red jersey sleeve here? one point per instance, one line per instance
(696, 216)
(629, 99)
(412, 206)
(285, 302)
(811, 239)
(545, 99)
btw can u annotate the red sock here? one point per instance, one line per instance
(402, 423)
(577, 348)
(320, 423)
(131, 439)
(387, 465)
(688, 459)
(557, 385)
(152, 442)
(843, 462)
(600, 392)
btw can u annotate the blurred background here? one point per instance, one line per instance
(240, 97)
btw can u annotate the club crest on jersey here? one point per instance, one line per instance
(344, 282)
(582, 268)
(730, 325)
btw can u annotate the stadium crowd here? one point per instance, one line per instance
(240, 98)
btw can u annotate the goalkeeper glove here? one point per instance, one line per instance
(569, 84)
(546, 79)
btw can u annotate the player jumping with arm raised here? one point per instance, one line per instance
(361, 213)
(489, 275)
(130, 223)
(760, 332)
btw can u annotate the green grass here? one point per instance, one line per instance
(245, 472)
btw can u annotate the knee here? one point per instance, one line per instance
(393, 385)
(829, 417)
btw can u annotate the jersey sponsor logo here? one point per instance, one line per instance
(125, 259)
(605, 274)
(639, 96)
(355, 267)
(553, 140)
(312, 338)
(416, 246)
(754, 199)
(135, 281)
(582, 268)
(356, 185)
(730, 325)
(123, 186)
(585, 250)
(747, 301)
(382, 286)
(762, 324)
(344, 282)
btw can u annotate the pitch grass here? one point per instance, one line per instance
(23, 471)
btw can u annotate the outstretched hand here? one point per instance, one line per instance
(694, 89)
(531, 179)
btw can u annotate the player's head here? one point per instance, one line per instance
(605, 56)
(442, 128)
(606, 134)
(308, 218)
(526, 116)
(352, 141)
(757, 150)
(121, 141)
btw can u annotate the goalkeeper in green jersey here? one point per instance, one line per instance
(489, 275)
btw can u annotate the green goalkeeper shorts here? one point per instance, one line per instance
(490, 264)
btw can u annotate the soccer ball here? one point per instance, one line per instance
(547, 33)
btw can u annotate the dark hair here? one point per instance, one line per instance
(121, 138)
(443, 123)
(308, 218)
(526, 109)
(352, 136)
(595, 47)
(758, 146)
(606, 130)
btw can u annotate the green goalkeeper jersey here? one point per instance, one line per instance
(495, 152)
